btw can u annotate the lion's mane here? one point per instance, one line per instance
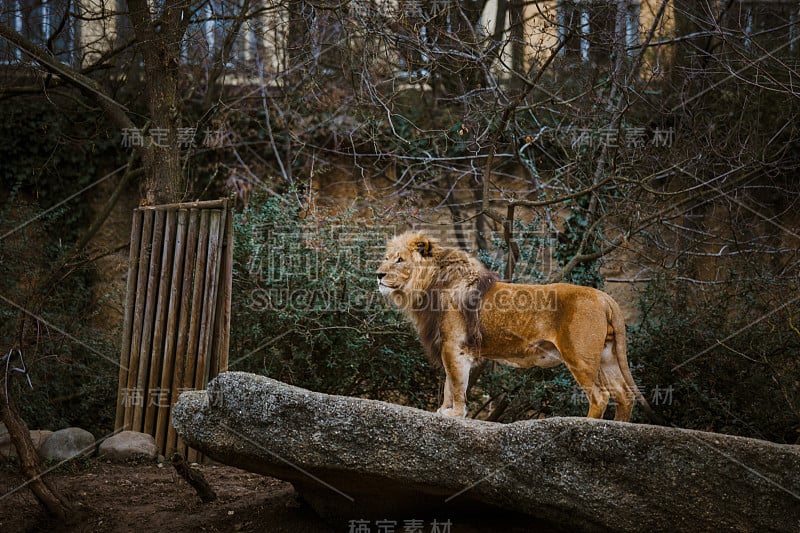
(444, 277)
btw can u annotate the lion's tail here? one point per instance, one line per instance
(617, 320)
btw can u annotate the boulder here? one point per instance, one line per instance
(7, 449)
(68, 443)
(352, 458)
(39, 437)
(128, 446)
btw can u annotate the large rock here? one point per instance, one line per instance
(68, 443)
(352, 458)
(7, 449)
(128, 446)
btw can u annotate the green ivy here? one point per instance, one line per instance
(568, 245)
(306, 309)
(709, 368)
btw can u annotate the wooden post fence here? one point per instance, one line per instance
(177, 313)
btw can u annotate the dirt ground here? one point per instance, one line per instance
(148, 497)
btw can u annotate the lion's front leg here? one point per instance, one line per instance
(447, 401)
(457, 364)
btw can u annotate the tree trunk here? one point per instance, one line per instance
(516, 15)
(30, 463)
(164, 180)
(299, 43)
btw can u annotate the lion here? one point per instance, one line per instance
(464, 314)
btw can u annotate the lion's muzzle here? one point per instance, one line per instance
(383, 288)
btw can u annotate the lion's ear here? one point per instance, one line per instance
(424, 246)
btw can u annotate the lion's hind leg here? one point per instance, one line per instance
(603, 383)
(589, 379)
(613, 380)
(598, 400)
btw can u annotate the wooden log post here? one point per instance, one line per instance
(168, 367)
(177, 313)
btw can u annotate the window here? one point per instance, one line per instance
(771, 24)
(45, 22)
(413, 61)
(206, 37)
(590, 28)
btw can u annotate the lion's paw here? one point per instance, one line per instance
(452, 411)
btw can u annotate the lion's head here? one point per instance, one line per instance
(407, 263)
(426, 279)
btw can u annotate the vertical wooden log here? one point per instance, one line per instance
(146, 348)
(177, 316)
(206, 333)
(158, 398)
(225, 333)
(127, 324)
(223, 320)
(133, 397)
(218, 310)
(195, 317)
(207, 309)
(183, 321)
(171, 333)
(196, 310)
